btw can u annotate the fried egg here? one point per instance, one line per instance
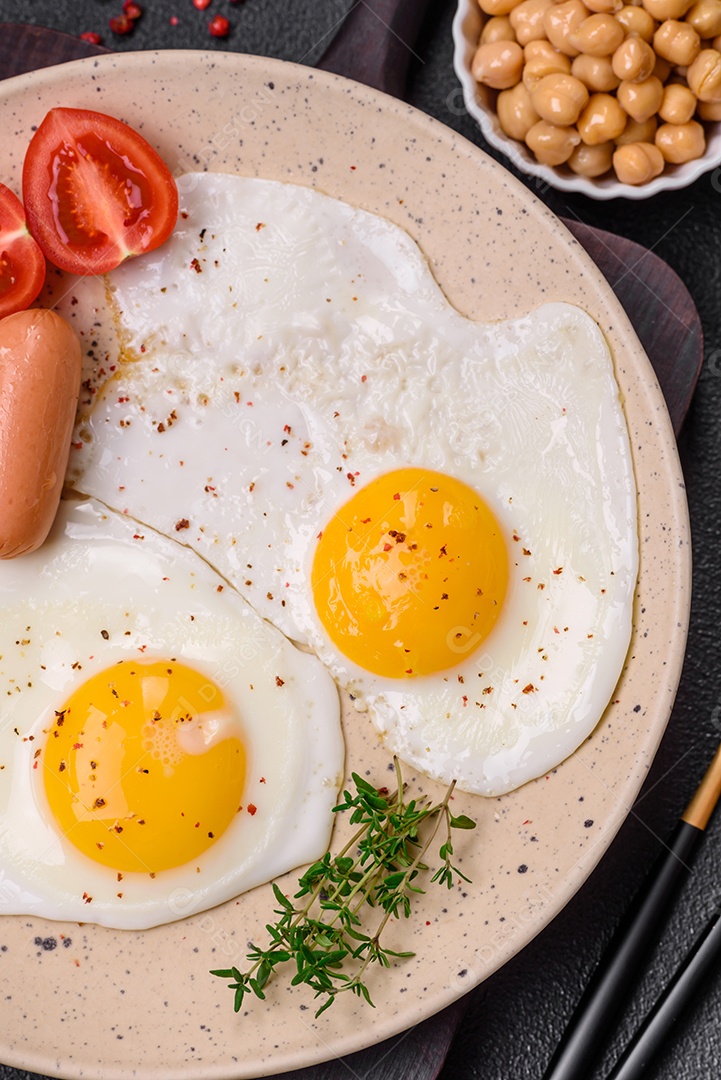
(162, 748)
(443, 510)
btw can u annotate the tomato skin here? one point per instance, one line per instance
(22, 263)
(95, 192)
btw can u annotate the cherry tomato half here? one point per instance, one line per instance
(95, 192)
(22, 263)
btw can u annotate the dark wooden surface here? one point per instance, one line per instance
(375, 43)
(375, 46)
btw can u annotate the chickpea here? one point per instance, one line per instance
(709, 110)
(636, 20)
(591, 160)
(560, 21)
(559, 99)
(603, 7)
(667, 9)
(663, 69)
(497, 29)
(633, 60)
(681, 142)
(704, 75)
(678, 104)
(676, 42)
(602, 119)
(551, 63)
(550, 144)
(527, 20)
(498, 7)
(705, 17)
(498, 64)
(598, 35)
(539, 49)
(516, 114)
(641, 100)
(637, 163)
(595, 71)
(635, 132)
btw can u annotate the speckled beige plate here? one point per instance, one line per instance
(105, 1004)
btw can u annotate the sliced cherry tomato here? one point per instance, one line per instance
(95, 192)
(22, 263)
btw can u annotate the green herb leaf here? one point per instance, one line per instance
(322, 930)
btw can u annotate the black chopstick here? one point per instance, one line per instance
(659, 1022)
(619, 968)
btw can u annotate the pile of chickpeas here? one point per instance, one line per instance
(599, 84)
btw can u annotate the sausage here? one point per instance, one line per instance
(40, 367)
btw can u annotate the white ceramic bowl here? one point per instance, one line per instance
(466, 32)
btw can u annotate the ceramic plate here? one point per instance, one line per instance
(143, 1004)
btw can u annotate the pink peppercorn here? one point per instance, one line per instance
(91, 37)
(121, 24)
(219, 26)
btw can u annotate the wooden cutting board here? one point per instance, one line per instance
(374, 46)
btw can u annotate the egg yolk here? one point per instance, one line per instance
(410, 575)
(139, 770)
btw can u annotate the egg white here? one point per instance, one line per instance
(102, 589)
(282, 350)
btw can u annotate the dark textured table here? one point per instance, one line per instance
(515, 1018)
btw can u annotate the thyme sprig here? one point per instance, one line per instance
(323, 934)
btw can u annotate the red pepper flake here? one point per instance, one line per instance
(364, 378)
(132, 10)
(77, 746)
(279, 681)
(465, 700)
(487, 689)
(182, 524)
(87, 898)
(173, 20)
(526, 551)
(262, 780)
(352, 168)
(252, 809)
(258, 227)
(121, 25)
(397, 495)
(559, 571)
(409, 671)
(387, 547)
(219, 26)
(201, 4)
(541, 585)
(195, 265)
(92, 39)
(530, 689)
(528, 821)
